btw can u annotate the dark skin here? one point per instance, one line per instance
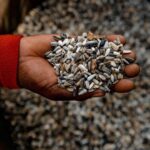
(37, 75)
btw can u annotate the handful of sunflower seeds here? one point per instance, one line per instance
(87, 62)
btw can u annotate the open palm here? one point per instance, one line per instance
(37, 75)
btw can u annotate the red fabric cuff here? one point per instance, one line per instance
(9, 55)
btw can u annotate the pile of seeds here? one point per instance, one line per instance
(115, 121)
(87, 62)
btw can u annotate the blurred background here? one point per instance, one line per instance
(12, 12)
(114, 122)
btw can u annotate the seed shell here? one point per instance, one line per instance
(87, 62)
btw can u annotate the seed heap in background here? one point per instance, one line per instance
(87, 62)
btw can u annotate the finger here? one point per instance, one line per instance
(52, 93)
(84, 96)
(131, 55)
(111, 38)
(132, 70)
(57, 93)
(123, 86)
(99, 93)
(42, 42)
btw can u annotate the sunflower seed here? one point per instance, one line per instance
(54, 44)
(87, 84)
(120, 76)
(112, 78)
(102, 77)
(87, 62)
(102, 43)
(91, 85)
(113, 63)
(82, 68)
(126, 51)
(95, 81)
(130, 60)
(91, 77)
(83, 91)
(107, 52)
(114, 46)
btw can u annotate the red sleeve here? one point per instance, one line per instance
(9, 53)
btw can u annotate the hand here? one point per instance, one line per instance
(37, 75)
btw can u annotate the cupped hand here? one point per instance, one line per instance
(37, 75)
